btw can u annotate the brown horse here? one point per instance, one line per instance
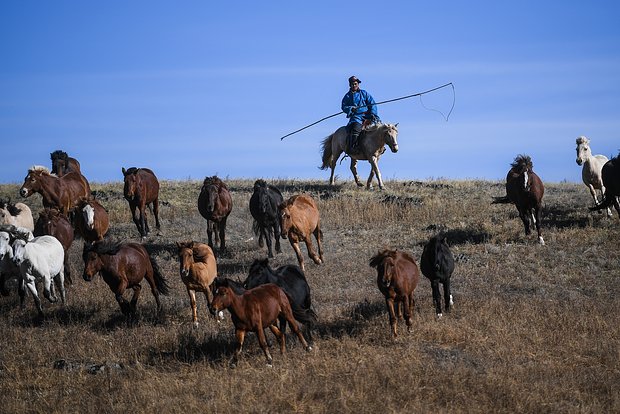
(91, 220)
(215, 204)
(255, 310)
(299, 220)
(141, 189)
(123, 266)
(525, 190)
(51, 222)
(397, 278)
(62, 193)
(198, 271)
(62, 163)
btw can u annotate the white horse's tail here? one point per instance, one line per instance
(326, 148)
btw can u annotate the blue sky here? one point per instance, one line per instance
(191, 89)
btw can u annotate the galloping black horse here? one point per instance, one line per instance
(292, 281)
(264, 208)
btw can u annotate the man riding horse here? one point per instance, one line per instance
(361, 110)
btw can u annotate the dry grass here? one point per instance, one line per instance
(534, 329)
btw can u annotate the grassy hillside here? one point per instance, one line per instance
(534, 328)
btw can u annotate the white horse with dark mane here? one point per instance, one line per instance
(41, 258)
(372, 142)
(592, 166)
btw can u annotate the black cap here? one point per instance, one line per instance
(354, 79)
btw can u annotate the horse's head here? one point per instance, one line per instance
(88, 214)
(256, 275)
(436, 248)
(285, 219)
(133, 183)
(391, 132)
(60, 162)
(384, 263)
(92, 261)
(5, 245)
(211, 193)
(19, 251)
(583, 150)
(222, 299)
(32, 182)
(186, 257)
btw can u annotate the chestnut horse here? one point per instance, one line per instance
(62, 193)
(525, 190)
(255, 310)
(215, 204)
(123, 266)
(141, 189)
(299, 220)
(18, 214)
(198, 270)
(397, 278)
(62, 163)
(51, 222)
(91, 221)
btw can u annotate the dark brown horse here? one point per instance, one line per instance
(299, 220)
(62, 193)
(91, 220)
(255, 310)
(525, 190)
(198, 269)
(123, 266)
(51, 222)
(62, 163)
(397, 278)
(141, 189)
(215, 204)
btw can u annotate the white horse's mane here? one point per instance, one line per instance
(39, 168)
(582, 140)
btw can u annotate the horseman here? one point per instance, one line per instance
(361, 110)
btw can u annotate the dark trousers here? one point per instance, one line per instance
(353, 132)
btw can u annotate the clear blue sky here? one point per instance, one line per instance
(197, 88)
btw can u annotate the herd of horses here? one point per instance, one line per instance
(269, 298)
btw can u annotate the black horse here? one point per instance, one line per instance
(611, 181)
(264, 208)
(437, 264)
(293, 282)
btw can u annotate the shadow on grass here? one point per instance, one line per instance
(562, 217)
(353, 324)
(460, 236)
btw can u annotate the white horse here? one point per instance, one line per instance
(371, 146)
(17, 214)
(8, 269)
(41, 258)
(592, 166)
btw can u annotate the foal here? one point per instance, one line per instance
(255, 310)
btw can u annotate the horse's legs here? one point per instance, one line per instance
(318, 235)
(47, 289)
(375, 167)
(33, 290)
(370, 177)
(523, 215)
(240, 334)
(135, 215)
(156, 212)
(354, 171)
(447, 294)
(136, 294)
(311, 251)
(67, 269)
(332, 165)
(21, 290)
(192, 301)
(390, 305)
(288, 315)
(261, 237)
(59, 280)
(281, 338)
(210, 233)
(407, 311)
(222, 226)
(260, 332)
(276, 236)
(616, 203)
(144, 220)
(537, 214)
(295, 245)
(269, 241)
(437, 296)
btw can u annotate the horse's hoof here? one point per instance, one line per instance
(541, 241)
(439, 315)
(309, 349)
(195, 324)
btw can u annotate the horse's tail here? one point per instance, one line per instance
(306, 316)
(160, 283)
(326, 149)
(501, 200)
(256, 227)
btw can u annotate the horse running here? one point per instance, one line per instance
(8, 269)
(91, 221)
(215, 204)
(18, 214)
(141, 189)
(198, 270)
(525, 190)
(591, 171)
(397, 278)
(41, 258)
(62, 193)
(52, 223)
(264, 209)
(437, 264)
(371, 146)
(299, 220)
(255, 310)
(123, 266)
(611, 181)
(62, 163)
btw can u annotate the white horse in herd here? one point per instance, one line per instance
(17, 214)
(40, 258)
(592, 166)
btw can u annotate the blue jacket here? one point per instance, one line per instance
(365, 104)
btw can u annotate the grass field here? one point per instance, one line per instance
(534, 328)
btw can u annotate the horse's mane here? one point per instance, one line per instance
(131, 170)
(11, 208)
(104, 247)
(40, 168)
(260, 183)
(260, 264)
(198, 250)
(582, 140)
(215, 180)
(236, 287)
(59, 154)
(377, 259)
(48, 213)
(522, 163)
(14, 232)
